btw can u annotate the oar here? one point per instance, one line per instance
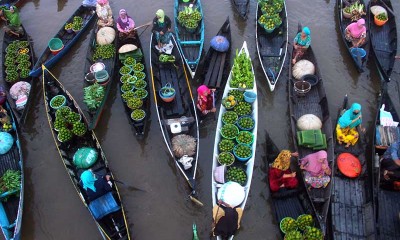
(193, 193)
(130, 188)
(146, 24)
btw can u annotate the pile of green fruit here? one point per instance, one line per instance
(139, 84)
(294, 235)
(288, 224)
(129, 61)
(72, 117)
(236, 174)
(237, 94)
(134, 103)
(77, 23)
(103, 52)
(127, 95)
(10, 182)
(139, 75)
(57, 101)
(189, 17)
(138, 67)
(125, 70)
(242, 151)
(22, 58)
(245, 137)
(312, 233)
(79, 128)
(17, 52)
(304, 221)
(242, 75)
(226, 145)
(382, 16)
(64, 135)
(68, 123)
(229, 117)
(138, 114)
(12, 76)
(126, 87)
(243, 108)
(124, 78)
(246, 123)
(6, 127)
(141, 93)
(164, 58)
(229, 131)
(226, 158)
(63, 112)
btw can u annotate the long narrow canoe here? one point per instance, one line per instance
(19, 113)
(216, 63)
(272, 47)
(109, 63)
(314, 102)
(288, 203)
(47, 58)
(140, 127)
(383, 39)
(110, 218)
(248, 165)
(241, 7)
(355, 209)
(359, 61)
(178, 117)
(11, 202)
(386, 200)
(190, 43)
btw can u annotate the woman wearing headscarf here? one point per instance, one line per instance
(125, 25)
(89, 3)
(104, 12)
(161, 28)
(317, 170)
(95, 187)
(356, 33)
(301, 43)
(205, 100)
(280, 175)
(226, 220)
(346, 131)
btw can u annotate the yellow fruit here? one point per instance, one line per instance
(231, 98)
(233, 102)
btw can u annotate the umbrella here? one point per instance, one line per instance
(220, 43)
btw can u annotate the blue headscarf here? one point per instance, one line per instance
(307, 31)
(346, 119)
(88, 180)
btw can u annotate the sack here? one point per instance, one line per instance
(85, 157)
(6, 142)
(186, 161)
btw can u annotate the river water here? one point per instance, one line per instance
(52, 208)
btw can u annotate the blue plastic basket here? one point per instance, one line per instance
(250, 97)
(242, 128)
(240, 158)
(356, 51)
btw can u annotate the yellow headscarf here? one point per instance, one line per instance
(282, 162)
(160, 13)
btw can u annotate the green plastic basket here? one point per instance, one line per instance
(55, 44)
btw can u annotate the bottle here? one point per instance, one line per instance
(376, 160)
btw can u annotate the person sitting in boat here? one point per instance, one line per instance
(346, 131)
(104, 12)
(89, 3)
(226, 220)
(390, 164)
(95, 187)
(317, 170)
(280, 175)
(205, 100)
(356, 33)
(301, 43)
(162, 29)
(13, 20)
(125, 25)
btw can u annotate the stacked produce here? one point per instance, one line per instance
(68, 123)
(103, 51)
(189, 17)
(270, 19)
(17, 61)
(242, 75)
(77, 23)
(10, 182)
(93, 96)
(300, 228)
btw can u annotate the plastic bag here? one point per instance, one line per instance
(85, 157)
(186, 161)
(6, 142)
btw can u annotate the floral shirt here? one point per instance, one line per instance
(303, 42)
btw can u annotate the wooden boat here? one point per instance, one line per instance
(272, 47)
(190, 42)
(383, 38)
(313, 102)
(140, 127)
(386, 199)
(109, 215)
(355, 209)
(12, 200)
(216, 63)
(48, 58)
(241, 7)
(359, 61)
(247, 165)
(288, 203)
(19, 113)
(109, 64)
(177, 118)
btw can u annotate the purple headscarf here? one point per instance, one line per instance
(123, 22)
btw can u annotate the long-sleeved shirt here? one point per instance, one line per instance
(392, 152)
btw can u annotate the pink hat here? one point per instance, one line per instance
(203, 89)
(102, 1)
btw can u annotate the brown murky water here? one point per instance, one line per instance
(52, 207)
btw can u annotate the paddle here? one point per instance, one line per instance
(130, 188)
(146, 24)
(193, 194)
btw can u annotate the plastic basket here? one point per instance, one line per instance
(229, 113)
(230, 154)
(249, 96)
(141, 119)
(243, 128)
(240, 158)
(55, 97)
(249, 143)
(229, 125)
(55, 45)
(285, 219)
(358, 51)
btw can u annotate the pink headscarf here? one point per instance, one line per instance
(357, 28)
(102, 1)
(312, 163)
(201, 90)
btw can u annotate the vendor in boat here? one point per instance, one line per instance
(356, 33)
(317, 170)
(95, 187)
(226, 220)
(346, 131)
(279, 175)
(301, 43)
(104, 12)
(390, 164)
(162, 29)
(205, 100)
(13, 20)
(125, 25)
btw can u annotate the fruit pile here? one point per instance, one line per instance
(125, 70)
(243, 108)
(304, 221)
(229, 117)
(237, 94)
(270, 18)
(57, 101)
(242, 74)
(294, 235)
(228, 102)
(139, 84)
(134, 102)
(77, 23)
(245, 137)
(138, 114)
(229, 131)
(141, 93)
(103, 52)
(138, 67)
(226, 145)
(129, 61)
(68, 123)
(189, 17)
(382, 16)
(242, 150)
(312, 233)
(17, 61)
(236, 174)
(288, 224)
(246, 123)
(6, 127)
(226, 158)
(78, 128)
(300, 228)
(126, 87)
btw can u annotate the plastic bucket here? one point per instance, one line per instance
(302, 87)
(250, 97)
(101, 76)
(240, 158)
(55, 45)
(312, 79)
(90, 78)
(358, 51)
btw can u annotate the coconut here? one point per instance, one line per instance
(309, 122)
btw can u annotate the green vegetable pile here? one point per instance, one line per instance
(93, 96)
(288, 224)
(134, 103)
(141, 93)
(124, 78)
(126, 87)
(304, 221)
(229, 131)
(68, 123)
(243, 108)
(246, 122)
(138, 67)
(382, 16)
(189, 17)
(164, 58)
(229, 117)
(242, 75)
(236, 174)
(10, 181)
(79, 128)
(129, 61)
(226, 158)
(226, 145)
(245, 137)
(125, 70)
(140, 75)
(103, 52)
(57, 101)
(138, 114)
(294, 235)
(242, 150)
(139, 84)
(17, 52)
(77, 23)
(312, 233)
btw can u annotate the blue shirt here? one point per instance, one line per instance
(392, 152)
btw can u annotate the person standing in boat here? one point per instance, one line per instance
(346, 131)
(279, 174)
(205, 100)
(162, 29)
(13, 20)
(391, 162)
(226, 220)
(125, 26)
(95, 187)
(356, 33)
(104, 13)
(317, 170)
(301, 43)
